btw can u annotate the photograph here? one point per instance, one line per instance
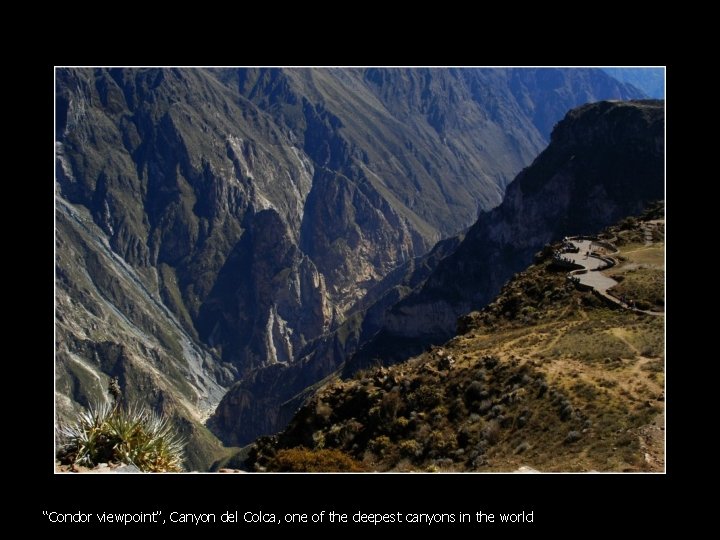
(364, 270)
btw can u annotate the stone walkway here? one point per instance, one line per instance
(593, 277)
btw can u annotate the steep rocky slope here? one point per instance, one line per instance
(109, 324)
(605, 161)
(546, 376)
(229, 218)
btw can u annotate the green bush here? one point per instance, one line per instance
(107, 434)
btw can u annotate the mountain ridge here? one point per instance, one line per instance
(601, 135)
(211, 186)
(619, 148)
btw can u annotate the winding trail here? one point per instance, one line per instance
(591, 276)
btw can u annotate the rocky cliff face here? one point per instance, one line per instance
(230, 218)
(110, 323)
(605, 161)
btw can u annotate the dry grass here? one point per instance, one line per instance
(653, 255)
(586, 343)
(643, 285)
(304, 460)
(641, 274)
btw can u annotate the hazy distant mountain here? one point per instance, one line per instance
(649, 80)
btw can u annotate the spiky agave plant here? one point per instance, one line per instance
(86, 441)
(134, 435)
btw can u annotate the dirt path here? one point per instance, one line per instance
(651, 436)
(640, 362)
(652, 443)
(559, 335)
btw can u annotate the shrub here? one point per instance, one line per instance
(484, 406)
(441, 442)
(566, 412)
(458, 410)
(323, 411)
(474, 391)
(389, 405)
(426, 397)
(106, 434)
(439, 412)
(572, 437)
(522, 447)
(380, 444)
(400, 425)
(303, 460)
(410, 448)
(491, 432)
(339, 435)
